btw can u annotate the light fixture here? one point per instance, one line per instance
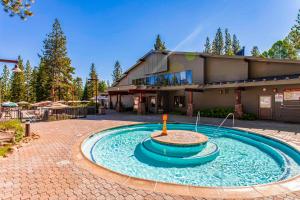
(16, 69)
(264, 89)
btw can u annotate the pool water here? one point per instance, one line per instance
(244, 158)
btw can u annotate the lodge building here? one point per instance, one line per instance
(165, 81)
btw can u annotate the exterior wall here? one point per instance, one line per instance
(180, 62)
(113, 99)
(264, 69)
(225, 69)
(214, 98)
(127, 101)
(250, 101)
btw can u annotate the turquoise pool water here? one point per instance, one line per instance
(244, 158)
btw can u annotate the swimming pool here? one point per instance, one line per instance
(244, 158)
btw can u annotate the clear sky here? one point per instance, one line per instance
(102, 31)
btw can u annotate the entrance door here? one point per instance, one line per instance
(265, 107)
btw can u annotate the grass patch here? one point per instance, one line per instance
(14, 125)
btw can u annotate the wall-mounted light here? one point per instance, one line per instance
(264, 89)
(275, 90)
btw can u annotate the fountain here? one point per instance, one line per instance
(179, 147)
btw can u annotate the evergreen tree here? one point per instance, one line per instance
(18, 84)
(117, 72)
(102, 86)
(77, 88)
(207, 46)
(236, 47)
(33, 85)
(92, 83)
(218, 43)
(255, 52)
(43, 82)
(294, 35)
(159, 44)
(28, 77)
(85, 92)
(5, 84)
(228, 43)
(57, 63)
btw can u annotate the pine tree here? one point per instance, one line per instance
(117, 72)
(207, 46)
(102, 86)
(159, 44)
(92, 83)
(218, 43)
(57, 63)
(33, 85)
(5, 84)
(255, 52)
(28, 88)
(85, 92)
(77, 88)
(236, 47)
(294, 35)
(18, 84)
(228, 43)
(43, 82)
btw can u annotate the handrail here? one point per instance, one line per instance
(197, 121)
(222, 123)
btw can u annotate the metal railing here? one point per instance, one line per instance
(197, 121)
(223, 122)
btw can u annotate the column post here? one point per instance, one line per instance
(141, 106)
(190, 106)
(238, 107)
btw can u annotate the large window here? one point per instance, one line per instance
(179, 101)
(178, 78)
(292, 95)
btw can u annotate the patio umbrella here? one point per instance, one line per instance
(9, 104)
(42, 104)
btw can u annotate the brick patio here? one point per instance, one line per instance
(45, 169)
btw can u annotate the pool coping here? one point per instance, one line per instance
(257, 191)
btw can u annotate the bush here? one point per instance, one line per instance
(248, 116)
(14, 125)
(216, 112)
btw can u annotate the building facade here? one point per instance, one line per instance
(162, 82)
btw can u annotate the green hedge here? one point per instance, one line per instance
(220, 112)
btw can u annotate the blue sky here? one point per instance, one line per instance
(103, 31)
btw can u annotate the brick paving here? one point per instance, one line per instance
(44, 168)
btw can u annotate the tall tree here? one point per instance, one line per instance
(85, 92)
(207, 46)
(236, 47)
(117, 72)
(57, 63)
(228, 43)
(18, 84)
(33, 85)
(28, 77)
(92, 83)
(18, 7)
(5, 84)
(43, 82)
(255, 52)
(294, 35)
(102, 86)
(77, 88)
(218, 43)
(159, 44)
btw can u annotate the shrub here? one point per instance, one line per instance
(249, 116)
(14, 125)
(217, 112)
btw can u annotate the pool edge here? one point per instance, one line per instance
(256, 191)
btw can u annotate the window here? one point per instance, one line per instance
(292, 95)
(179, 101)
(152, 102)
(265, 102)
